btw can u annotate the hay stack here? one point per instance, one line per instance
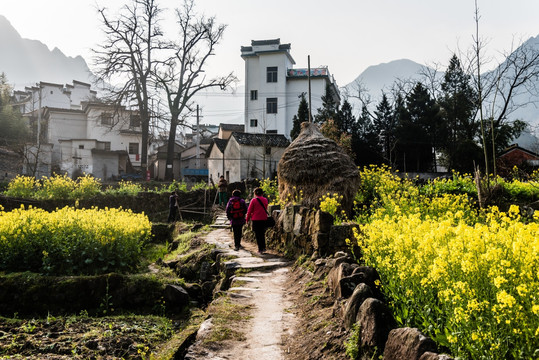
(316, 165)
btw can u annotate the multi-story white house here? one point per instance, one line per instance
(69, 96)
(273, 87)
(74, 133)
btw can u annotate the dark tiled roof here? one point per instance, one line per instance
(220, 143)
(265, 42)
(273, 140)
(232, 127)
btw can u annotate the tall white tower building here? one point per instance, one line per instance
(274, 87)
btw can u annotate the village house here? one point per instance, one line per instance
(73, 133)
(517, 156)
(243, 155)
(273, 87)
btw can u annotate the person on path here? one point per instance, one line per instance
(257, 214)
(235, 212)
(172, 206)
(223, 187)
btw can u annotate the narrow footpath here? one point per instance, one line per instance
(258, 286)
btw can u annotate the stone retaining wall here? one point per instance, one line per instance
(300, 230)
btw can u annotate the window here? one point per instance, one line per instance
(134, 120)
(253, 123)
(106, 145)
(81, 146)
(254, 94)
(268, 150)
(106, 119)
(271, 74)
(133, 148)
(271, 106)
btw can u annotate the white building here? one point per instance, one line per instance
(273, 87)
(98, 140)
(243, 156)
(77, 133)
(69, 96)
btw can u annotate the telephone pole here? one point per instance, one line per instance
(309, 80)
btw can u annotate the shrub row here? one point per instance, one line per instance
(72, 241)
(466, 277)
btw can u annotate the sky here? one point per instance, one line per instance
(346, 35)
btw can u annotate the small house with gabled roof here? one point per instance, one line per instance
(518, 156)
(246, 155)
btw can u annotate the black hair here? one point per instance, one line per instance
(236, 193)
(258, 191)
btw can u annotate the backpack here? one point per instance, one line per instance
(236, 210)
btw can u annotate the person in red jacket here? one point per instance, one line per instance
(257, 214)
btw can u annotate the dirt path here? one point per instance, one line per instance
(261, 290)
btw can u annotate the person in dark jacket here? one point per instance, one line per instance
(223, 187)
(172, 206)
(235, 212)
(257, 214)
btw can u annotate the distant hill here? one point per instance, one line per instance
(26, 62)
(378, 78)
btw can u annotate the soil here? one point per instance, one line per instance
(319, 332)
(82, 337)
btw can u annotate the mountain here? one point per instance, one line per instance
(378, 78)
(26, 62)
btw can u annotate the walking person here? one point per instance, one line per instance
(235, 212)
(257, 214)
(172, 206)
(223, 187)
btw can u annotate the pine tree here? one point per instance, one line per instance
(302, 116)
(460, 128)
(384, 124)
(329, 108)
(417, 132)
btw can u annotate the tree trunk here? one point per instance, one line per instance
(169, 170)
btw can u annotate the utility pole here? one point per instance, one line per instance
(197, 141)
(309, 81)
(39, 116)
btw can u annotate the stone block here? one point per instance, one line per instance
(298, 219)
(176, 296)
(351, 308)
(322, 222)
(375, 323)
(407, 343)
(288, 219)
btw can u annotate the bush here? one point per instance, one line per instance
(71, 241)
(463, 276)
(22, 187)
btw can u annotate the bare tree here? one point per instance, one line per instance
(511, 85)
(127, 56)
(181, 75)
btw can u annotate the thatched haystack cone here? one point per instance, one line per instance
(316, 165)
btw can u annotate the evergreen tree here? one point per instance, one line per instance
(417, 132)
(14, 131)
(384, 124)
(329, 108)
(302, 116)
(460, 128)
(366, 141)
